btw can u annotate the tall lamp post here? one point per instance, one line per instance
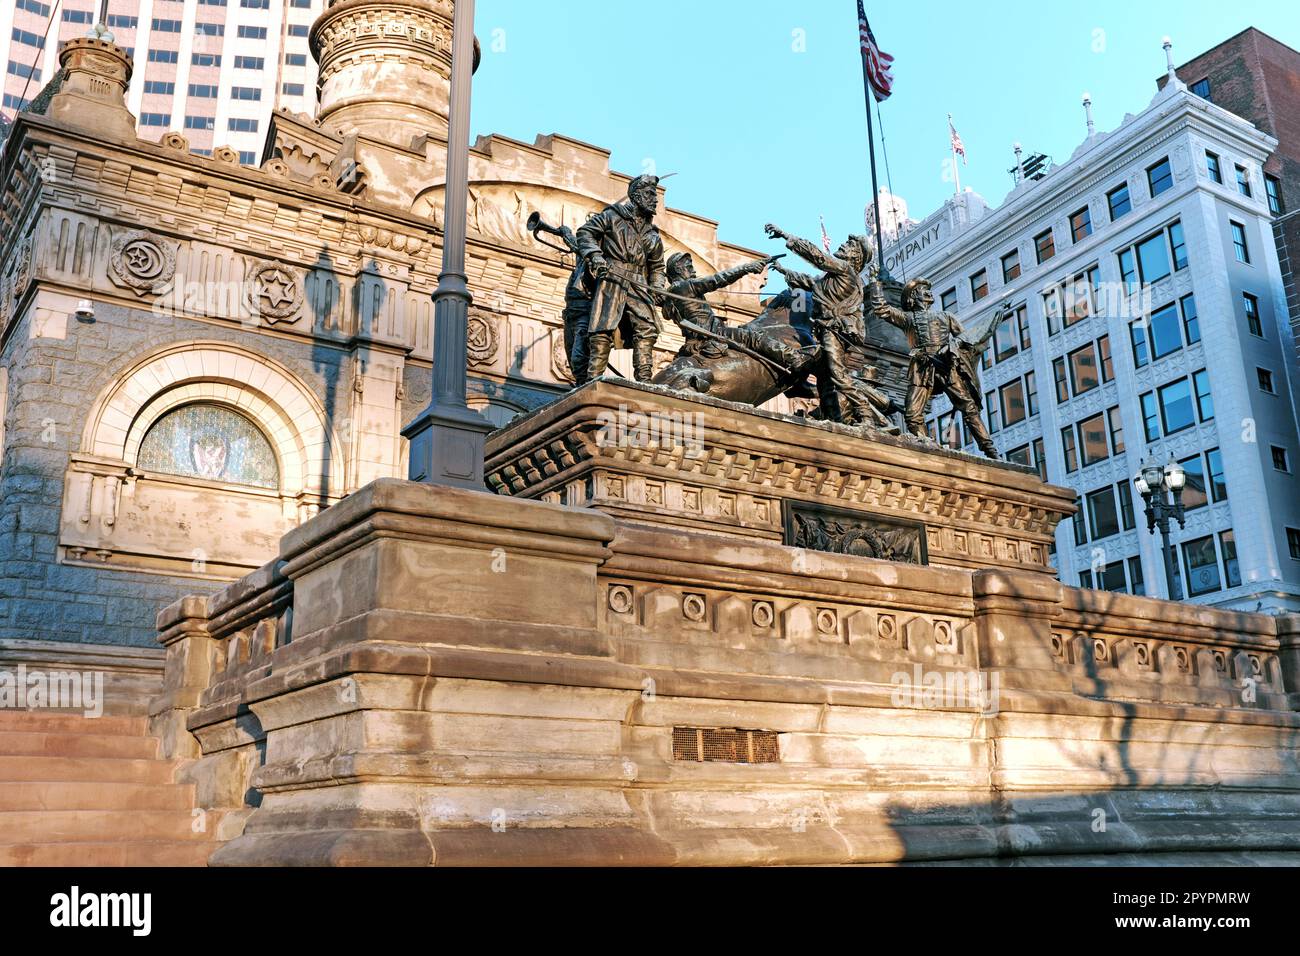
(1162, 492)
(447, 438)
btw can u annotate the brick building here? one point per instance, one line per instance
(1258, 78)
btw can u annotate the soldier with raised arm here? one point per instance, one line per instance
(837, 296)
(685, 285)
(623, 252)
(943, 359)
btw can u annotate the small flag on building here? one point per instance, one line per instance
(826, 240)
(958, 147)
(878, 63)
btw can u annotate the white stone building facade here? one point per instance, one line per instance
(1150, 321)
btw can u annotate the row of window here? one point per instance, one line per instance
(1112, 577)
(1032, 455)
(214, 59)
(1016, 401)
(1201, 564)
(1177, 405)
(1082, 370)
(25, 70)
(1161, 333)
(234, 124)
(1093, 439)
(1105, 512)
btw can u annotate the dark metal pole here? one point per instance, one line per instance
(871, 150)
(447, 438)
(1175, 593)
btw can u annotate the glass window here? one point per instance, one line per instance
(1083, 369)
(1116, 422)
(200, 122)
(1085, 579)
(1204, 404)
(1103, 518)
(1112, 578)
(1012, 396)
(1280, 458)
(293, 89)
(1031, 394)
(245, 93)
(298, 29)
(1150, 416)
(1177, 246)
(155, 119)
(1253, 323)
(1022, 323)
(1273, 189)
(210, 29)
(1293, 542)
(1078, 299)
(252, 33)
(247, 157)
(1195, 494)
(1136, 584)
(1062, 387)
(1176, 406)
(1052, 309)
(1138, 333)
(1118, 200)
(1040, 458)
(1019, 455)
(249, 62)
(1092, 440)
(1153, 258)
(1265, 378)
(1103, 350)
(1126, 505)
(1239, 242)
(948, 433)
(1080, 524)
(979, 285)
(1202, 88)
(1004, 339)
(1202, 566)
(295, 59)
(163, 56)
(166, 26)
(205, 59)
(1243, 181)
(203, 91)
(1218, 486)
(1128, 270)
(948, 300)
(1212, 165)
(1011, 265)
(1228, 549)
(1165, 336)
(210, 442)
(1044, 246)
(1160, 177)
(1068, 450)
(241, 125)
(991, 409)
(1191, 323)
(160, 87)
(1080, 225)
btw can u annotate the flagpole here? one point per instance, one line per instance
(871, 150)
(952, 145)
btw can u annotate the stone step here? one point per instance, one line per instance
(80, 795)
(56, 722)
(139, 853)
(95, 826)
(90, 770)
(41, 744)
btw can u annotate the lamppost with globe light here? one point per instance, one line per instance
(1162, 493)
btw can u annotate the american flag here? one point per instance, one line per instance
(958, 147)
(826, 239)
(875, 61)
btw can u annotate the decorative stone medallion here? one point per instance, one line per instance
(142, 262)
(482, 339)
(273, 293)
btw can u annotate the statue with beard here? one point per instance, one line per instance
(621, 249)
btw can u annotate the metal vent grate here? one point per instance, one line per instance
(725, 745)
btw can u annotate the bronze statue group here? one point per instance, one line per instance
(816, 328)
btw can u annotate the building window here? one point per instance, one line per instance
(292, 89)
(1031, 394)
(1273, 190)
(77, 16)
(948, 300)
(1160, 177)
(1265, 378)
(1126, 505)
(212, 3)
(24, 70)
(122, 22)
(15, 103)
(1253, 323)
(245, 93)
(1118, 201)
(1044, 246)
(1191, 322)
(295, 59)
(991, 411)
(160, 87)
(1176, 406)
(241, 125)
(1092, 440)
(1012, 396)
(210, 29)
(28, 38)
(209, 442)
(1083, 369)
(34, 6)
(1011, 265)
(1103, 517)
(1153, 259)
(1116, 423)
(1204, 404)
(163, 56)
(1022, 322)
(1239, 241)
(1217, 484)
(1062, 386)
(1004, 339)
(1080, 225)
(298, 29)
(1150, 416)
(1293, 542)
(250, 62)
(155, 119)
(200, 122)
(1136, 583)
(1040, 458)
(1103, 352)
(1281, 461)
(256, 4)
(1068, 450)
(1195, 494)
(1164, 334)
(1243, 180)
(1212, 166)
(203, 91)
(1128, 270)
(1019, 455)
(1202, 88)
(165, 26)
(300, 4)
(1228, 549)
(979, 285)
(1202, 565)
(1080, 523)
(252, 33)
(1177, 246)
(247, 157)
(205, 59)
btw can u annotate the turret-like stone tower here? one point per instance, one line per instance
(385, 67)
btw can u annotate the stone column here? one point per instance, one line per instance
(1013, 623)
(192, 660)
(92, 94)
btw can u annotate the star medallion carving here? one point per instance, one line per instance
(273, 293)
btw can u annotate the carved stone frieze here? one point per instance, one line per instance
(142, 262)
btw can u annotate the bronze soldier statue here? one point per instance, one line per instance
(836, 316)
(621, 248)
(577, 298)
(684, 285)
(943, 359)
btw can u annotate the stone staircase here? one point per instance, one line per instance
(76, 791)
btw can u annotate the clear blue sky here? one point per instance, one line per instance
(759, 129)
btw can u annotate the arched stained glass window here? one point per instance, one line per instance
(210, 442)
